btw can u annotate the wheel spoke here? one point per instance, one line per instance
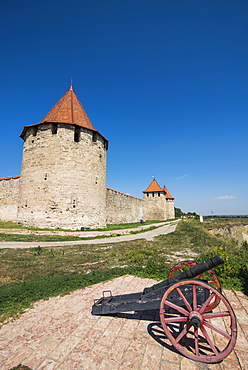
(194, 298)
(218, 330)
(184, 299)
(202, 309)
(176, 307)
(196, 342)
(209, 340)
(175, 319)
(212, 315)
(183, 332)
(209, 281)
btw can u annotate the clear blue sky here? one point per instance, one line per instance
(165, 81)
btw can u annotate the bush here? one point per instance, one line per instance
(233, 274)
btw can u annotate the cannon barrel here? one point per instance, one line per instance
(188, 273)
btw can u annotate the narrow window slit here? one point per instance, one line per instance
(77, 135)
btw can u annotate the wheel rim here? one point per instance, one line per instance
(212, 279)
(194, 331)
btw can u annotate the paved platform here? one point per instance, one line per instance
(61, 334)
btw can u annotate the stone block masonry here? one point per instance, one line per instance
(9, 193)
(62, 180)
(123, 208)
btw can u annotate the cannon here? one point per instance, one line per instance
(196, 317)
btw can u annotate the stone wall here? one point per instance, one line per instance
(63, 178)
(63, 184)
(123, 208)
(120, 207)
(170, 209)
(9, 192)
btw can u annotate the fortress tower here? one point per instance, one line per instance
(159, 204)
(63, 178)
(63, 175)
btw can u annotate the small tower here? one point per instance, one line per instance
(63, 176)
(159, 204)
(170, 207)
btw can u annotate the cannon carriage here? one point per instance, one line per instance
(196, 317)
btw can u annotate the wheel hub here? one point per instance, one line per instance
(195, 318)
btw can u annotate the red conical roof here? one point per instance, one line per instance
(69, 110)
(168, 195)
(154, 186)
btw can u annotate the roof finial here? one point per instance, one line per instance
(71, 88)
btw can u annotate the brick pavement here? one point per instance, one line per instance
(61, 334)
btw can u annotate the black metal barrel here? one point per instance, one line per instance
(188, 273)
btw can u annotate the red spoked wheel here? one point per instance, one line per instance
(209, 275)
(194, 331)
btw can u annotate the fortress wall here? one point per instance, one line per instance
(9, 192)
(123, 208)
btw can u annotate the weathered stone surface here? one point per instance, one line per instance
(238, 232)
(123, 208)
(9, 192)
(158, 207)
(63, 182)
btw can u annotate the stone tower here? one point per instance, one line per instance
(63, 175)
(159, 204)
(170, 206)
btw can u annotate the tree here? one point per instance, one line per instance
(178, 212)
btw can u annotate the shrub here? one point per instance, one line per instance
(233, 273)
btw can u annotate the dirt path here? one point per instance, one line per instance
(148, 235)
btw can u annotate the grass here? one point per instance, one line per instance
(10, 225)
(4, 237)
(27, 275)
(128, 226)
(13, 225)
(37, 238)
